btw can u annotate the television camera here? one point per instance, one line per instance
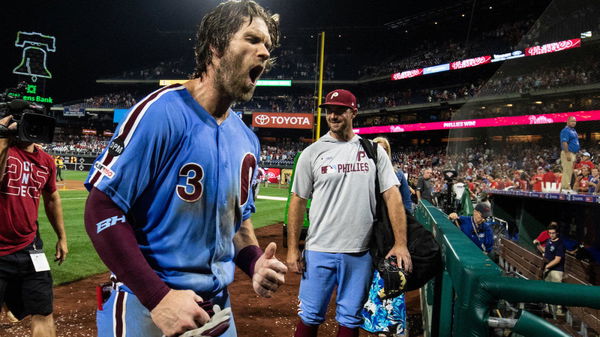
(33, 125)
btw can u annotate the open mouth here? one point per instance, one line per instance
(255, 73)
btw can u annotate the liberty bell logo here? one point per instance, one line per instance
(35, 48)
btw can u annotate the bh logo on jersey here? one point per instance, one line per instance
(327, 169)
(104, 224)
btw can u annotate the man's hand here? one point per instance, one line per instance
(402, 256)
(61, 251)
(179, 312)
(453, 216)
(568, 156)
(269, 272)
(294, 262)
(4, 124)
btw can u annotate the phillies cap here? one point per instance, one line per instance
(340, 97)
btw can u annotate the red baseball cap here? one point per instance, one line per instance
(340, 97)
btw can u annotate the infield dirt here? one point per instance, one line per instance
(75, 304)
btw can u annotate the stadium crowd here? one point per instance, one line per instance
(121, 99)
(520, 166)
(507, 37)
(580, 73)
(517, 166)
(171, 68)
(81, 145)
(282, 103)
(430, 53)
(281, 153)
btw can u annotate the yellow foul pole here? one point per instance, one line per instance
(320, 97)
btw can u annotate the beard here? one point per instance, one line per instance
(232, 78)
(338, 128)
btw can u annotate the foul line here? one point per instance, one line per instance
(271, 198)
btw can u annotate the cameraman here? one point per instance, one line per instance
(26, 172)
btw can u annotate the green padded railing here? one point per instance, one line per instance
(458, 302)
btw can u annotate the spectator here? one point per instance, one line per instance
(542, 238)
(554, 255)
(585, 161)
(425, 186)
(476, 228)
(593, 181)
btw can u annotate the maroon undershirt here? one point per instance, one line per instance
(119, 250)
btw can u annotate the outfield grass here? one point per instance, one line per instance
(83, 261)
(75, 175)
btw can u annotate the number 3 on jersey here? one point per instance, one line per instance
(194, 173)
(192, 190)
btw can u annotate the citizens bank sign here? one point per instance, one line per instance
(282, 120)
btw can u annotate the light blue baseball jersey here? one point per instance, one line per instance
(185, 184)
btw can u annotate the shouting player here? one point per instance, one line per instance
(170, 198)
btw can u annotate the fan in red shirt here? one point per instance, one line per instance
(552, 176)
(26, 173)
(582, 180)
(537, 179)
(585, 161)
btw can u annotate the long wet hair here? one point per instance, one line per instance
(218, 26)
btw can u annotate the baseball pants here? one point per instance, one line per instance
(351, 272)
(123, 315)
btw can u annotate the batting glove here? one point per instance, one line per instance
(216, 326)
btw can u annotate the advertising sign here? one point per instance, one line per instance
(553, 47)
(273, 175)
(407, 74)
(582, 116)
(282, 120)
(477, 61)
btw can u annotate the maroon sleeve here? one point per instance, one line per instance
(115, 242)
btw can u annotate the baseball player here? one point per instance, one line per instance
(339, 177)
(171, 198)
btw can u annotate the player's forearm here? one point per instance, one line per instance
(418, 195)
(247, 251)
(295, 220)
(53, 208)
(396, 214)
(245, 236)
(115, 242)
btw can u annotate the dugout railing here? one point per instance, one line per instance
(460, 301)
